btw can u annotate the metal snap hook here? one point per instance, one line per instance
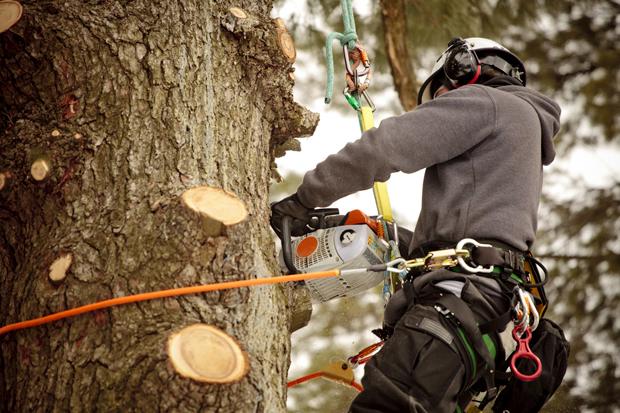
(479, 268)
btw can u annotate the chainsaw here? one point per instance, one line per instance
(336, 242)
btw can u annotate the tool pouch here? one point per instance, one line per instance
(550, 345)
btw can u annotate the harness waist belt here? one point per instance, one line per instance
(500, 255)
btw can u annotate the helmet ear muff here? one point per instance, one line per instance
(462, 66)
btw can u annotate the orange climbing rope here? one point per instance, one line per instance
(164, 294)
(343, 376)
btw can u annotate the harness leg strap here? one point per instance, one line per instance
(466, 319)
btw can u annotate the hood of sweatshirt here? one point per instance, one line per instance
(547, 109)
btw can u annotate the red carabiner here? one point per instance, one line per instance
(524, 352)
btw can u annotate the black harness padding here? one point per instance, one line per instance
(460, 311)
(499, 257)
(496, 325)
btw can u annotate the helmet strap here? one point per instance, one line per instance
(476, 76)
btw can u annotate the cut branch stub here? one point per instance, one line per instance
(300, 307)
(285, 41)
(217, 206)
(10, 13)
(238, 13)
(239, 21)
(4, 179)
(58, 269)
(207, 354)
(40, 169)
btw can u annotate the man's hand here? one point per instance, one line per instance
(290, 206)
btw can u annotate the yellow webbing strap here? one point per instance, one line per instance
(382, 199)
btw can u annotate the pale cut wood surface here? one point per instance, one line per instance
(10, 13)
(216, 204)
(205, 353)
(40, 169)
(58, 269)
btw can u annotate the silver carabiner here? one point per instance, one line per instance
(369, 100)
(525, 308)
(396, 266)
(467, 267)
(532, 309)
(347, 64)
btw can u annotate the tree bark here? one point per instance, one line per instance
(394, 18)
(151, 98)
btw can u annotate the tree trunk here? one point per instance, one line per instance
(129, 104)
(394, 19)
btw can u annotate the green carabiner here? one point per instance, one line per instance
(352, 100)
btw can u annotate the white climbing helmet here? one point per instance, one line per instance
(460, 63)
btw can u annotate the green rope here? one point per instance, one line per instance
(348, 38)
(349, 22)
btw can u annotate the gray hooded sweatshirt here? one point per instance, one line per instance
(483, 149)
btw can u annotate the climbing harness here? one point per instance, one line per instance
(358, 76)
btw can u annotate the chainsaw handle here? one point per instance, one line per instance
(287, 244)
(323, 216)
(326, 217)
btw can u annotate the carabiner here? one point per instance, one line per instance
(532, 309)
(351, 99)
(369, 100)
(467, 267)
(524, 352)
(354, 103)
(365, 354)
(522, 311)
(349, 68)
(396, 266)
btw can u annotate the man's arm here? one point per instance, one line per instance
(433, 133)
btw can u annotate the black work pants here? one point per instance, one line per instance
(419, 368)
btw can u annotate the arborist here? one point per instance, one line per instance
(483, 139)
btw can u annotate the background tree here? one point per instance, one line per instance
(572, 54)
(127, 105)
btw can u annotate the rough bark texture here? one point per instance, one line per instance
(394, 18)
(150, 98)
